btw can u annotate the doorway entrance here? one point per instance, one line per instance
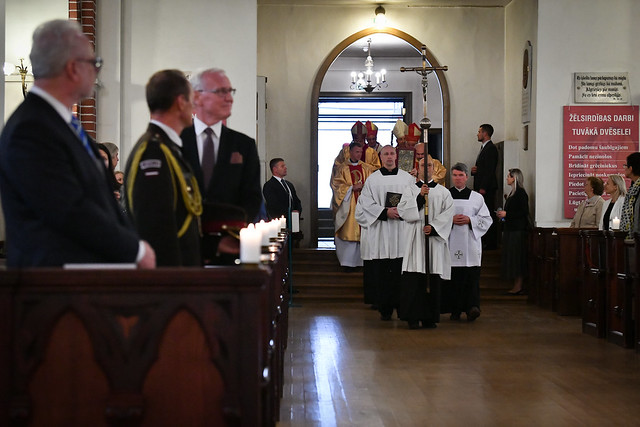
(317, 160)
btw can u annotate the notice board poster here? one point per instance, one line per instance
(597, 141)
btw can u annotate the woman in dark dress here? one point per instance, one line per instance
(515, 217)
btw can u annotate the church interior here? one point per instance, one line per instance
(565, 353)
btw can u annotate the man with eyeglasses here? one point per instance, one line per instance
(225, 162)
(57, 200)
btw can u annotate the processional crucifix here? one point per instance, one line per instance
(425, 124)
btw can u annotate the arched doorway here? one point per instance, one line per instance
(446, 125)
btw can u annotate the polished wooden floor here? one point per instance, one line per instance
(517, 365)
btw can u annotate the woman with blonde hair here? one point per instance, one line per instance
(612, 208)
(515, 232)
(590, 210)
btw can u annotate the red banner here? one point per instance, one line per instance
(597, 141)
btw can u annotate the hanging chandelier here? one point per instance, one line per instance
(363, 80)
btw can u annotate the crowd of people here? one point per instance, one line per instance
(189, 178)
(419, 243)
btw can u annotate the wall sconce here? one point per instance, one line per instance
(381, 19)
(22, 69)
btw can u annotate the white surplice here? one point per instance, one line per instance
(465, 244)
(381, 239)
(440, 218)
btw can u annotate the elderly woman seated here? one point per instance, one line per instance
(590, 211)
(612, 208)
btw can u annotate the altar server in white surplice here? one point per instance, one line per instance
(470, 222)
(419, 302)
(382, 228)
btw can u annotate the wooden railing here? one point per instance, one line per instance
(129, 347)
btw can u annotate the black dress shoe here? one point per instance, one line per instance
(454, 316)
(385, 317)
(429, 325)
(513, 294)
(414, 324)
(473, 314)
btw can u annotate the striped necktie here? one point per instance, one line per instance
(79, 130)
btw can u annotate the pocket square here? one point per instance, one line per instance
(236, 158)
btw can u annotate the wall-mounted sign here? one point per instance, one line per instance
(601, 88)
(597, 141)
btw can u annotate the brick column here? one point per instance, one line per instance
(84, 11)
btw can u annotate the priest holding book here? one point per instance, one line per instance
(382, 231)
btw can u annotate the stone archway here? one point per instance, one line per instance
(315, 95)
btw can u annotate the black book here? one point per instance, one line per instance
(392, 199)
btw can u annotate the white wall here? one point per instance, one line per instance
(22, 18)
(294, 40)
(575, 35)
(520, 27)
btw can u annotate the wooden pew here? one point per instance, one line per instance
(542, 284)
(594, 294)
(619, 321)
(569, 273)
(129, 347)
(632, 261)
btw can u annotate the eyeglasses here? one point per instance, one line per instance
(96, 62)
(223, 91)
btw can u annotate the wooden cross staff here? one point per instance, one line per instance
(425, 124)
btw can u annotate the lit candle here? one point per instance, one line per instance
(283, 223)
(264, 229)
(250, 245)
(377, 78)
(274, 227)
(384, 75)
(295, 222)
(615, 223)
(353, 77)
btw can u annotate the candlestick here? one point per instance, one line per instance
(250, 245)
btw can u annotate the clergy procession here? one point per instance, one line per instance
(418, 244)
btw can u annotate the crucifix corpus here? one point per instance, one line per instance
(425, 124)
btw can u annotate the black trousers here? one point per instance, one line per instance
(463, 290)
(369, 283)
(416, 302)
(490, 238)
(386, 276)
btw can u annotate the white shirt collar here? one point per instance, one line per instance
(199, 127)
(485, 143)
(64, 112)
(172, 134)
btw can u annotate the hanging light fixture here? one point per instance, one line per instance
(381, 18)
(364, 80)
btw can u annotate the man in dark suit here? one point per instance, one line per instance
(58, 204)
(280, 194)
(225, 162)
(162, 194)
(485, 181)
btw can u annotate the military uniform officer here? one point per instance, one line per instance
(162, 193)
